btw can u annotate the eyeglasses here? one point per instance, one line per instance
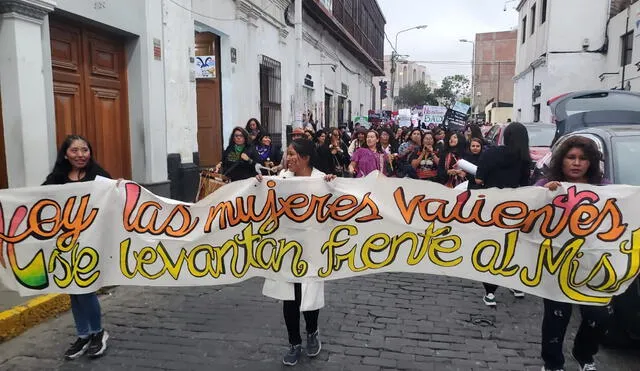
(238, 136)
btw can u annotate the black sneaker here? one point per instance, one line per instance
(78, 348)
(293, 355)
(584, 366)
(98, 344)
(313, 344)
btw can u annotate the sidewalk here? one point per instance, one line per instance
(377, 322)
(9, 299)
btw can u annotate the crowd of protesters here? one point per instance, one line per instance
(420, 153)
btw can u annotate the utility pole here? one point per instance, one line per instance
(394, 56)
(498, 93)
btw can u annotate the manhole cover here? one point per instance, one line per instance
(483, 320)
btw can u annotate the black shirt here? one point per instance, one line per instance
(92, 171)
(502, 169)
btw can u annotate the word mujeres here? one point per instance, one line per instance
(298, 207)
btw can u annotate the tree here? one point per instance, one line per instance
(418, 94)
(453, 88)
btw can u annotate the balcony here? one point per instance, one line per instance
(357, 24)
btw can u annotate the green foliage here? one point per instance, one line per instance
(417, 94)
(454, 88)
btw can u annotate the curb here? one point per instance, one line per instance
(20, 318)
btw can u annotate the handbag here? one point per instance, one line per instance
(210, 181)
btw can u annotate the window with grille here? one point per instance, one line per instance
(270, 98)
(627, 48)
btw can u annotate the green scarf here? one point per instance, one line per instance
(238, 148)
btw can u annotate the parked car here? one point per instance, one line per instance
(589, 108)
(620, 149)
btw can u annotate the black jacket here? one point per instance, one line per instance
(240, 169)
(57, 177)
(327, 161)
(501, 169)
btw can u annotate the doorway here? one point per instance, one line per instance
(341, 104)
(209, 102)
(327, 110)
(90, 91)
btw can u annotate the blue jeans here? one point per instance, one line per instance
(86, 314)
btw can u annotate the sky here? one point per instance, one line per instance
(448, 21)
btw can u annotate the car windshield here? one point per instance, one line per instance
(625, 154)
(541, 136)
(603, 102)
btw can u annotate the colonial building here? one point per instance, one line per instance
(493, 71)
(407, 73)
(562, 50)
(158, 85)
(622, 64)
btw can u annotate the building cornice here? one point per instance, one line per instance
(34, 9)
(540, 61)
(247, 10)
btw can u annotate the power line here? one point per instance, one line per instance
(201, 14)
(390, 43)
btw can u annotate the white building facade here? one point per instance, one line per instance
(622, 65)
(126, 75)
(561, 48)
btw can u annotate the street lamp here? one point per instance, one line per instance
(473, 72)
(394, 57)
(505, 4)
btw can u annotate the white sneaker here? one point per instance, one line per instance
(517, 294)
(489, 300)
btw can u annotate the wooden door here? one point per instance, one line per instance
(90, 92)
(4, 183)
(209, 104)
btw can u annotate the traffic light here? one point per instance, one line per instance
(383, 90)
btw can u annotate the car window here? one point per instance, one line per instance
(541, 136)
(625, 160)
(492, 132)
(602, 101)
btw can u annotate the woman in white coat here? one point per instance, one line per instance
(306, 297)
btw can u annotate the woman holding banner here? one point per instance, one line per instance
(577, 160)
(74, 163)
(308, 297)
(505, 166)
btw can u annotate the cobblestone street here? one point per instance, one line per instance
(376, 322)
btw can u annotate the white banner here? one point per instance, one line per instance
(578, 244)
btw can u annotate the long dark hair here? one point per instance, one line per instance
(305, 148)
(594, 174)
(410, 134)
(476, 132)
(245, 134)
(392, 138)
(258, 126)
(516, 139)
(378, 145)
(459, 147)
(62, 166)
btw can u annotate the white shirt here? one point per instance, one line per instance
(312, 292)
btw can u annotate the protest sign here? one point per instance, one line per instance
(578, 244)
(433, 115)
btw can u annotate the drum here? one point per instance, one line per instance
(210, 181)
